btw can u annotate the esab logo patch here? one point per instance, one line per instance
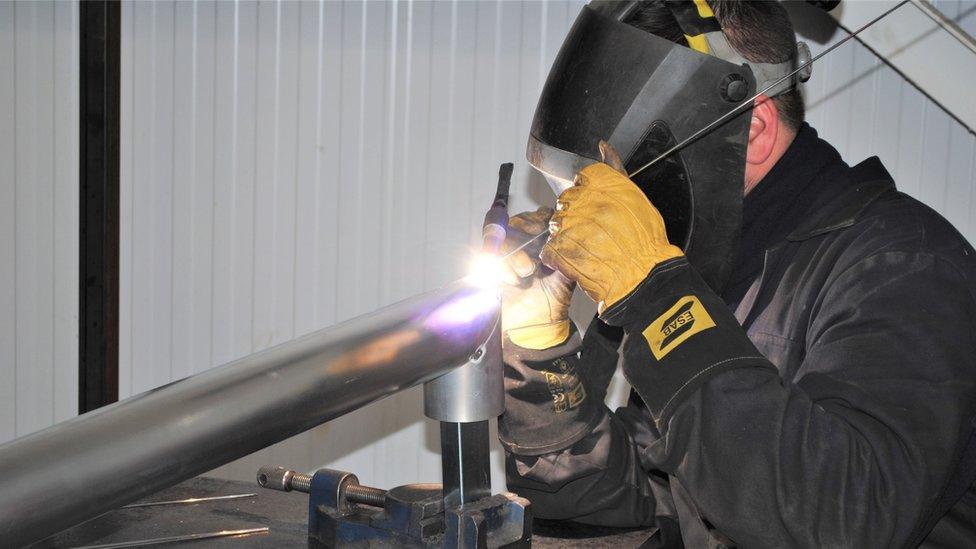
(686, 318)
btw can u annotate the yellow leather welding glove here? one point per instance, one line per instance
(606, 234)
(535, 298)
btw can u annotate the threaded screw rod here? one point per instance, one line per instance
(286, 480)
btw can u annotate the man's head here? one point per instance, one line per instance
(760, 31)
(644, 93)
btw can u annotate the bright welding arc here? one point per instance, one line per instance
(748, 102)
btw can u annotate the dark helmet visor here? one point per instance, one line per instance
(642, 94)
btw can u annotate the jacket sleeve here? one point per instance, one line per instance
(855, 450)
(575, 465)
(598, 480)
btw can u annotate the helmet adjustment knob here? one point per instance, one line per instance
(734, 88)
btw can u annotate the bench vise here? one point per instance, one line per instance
(460, 513)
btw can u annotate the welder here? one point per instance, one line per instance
(800, 336)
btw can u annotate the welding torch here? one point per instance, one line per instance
(495, 228)
(486, 269)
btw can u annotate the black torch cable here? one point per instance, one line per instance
(495, 228)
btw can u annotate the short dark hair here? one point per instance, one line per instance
(760, 31)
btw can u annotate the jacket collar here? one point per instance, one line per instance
(865, 183)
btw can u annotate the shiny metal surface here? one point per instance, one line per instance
(80, 468)
(473, 392)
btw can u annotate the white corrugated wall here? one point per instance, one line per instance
(287, 166)
(38, 215)
(864, 108)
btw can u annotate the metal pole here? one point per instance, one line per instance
(81, 468)
(465, 462)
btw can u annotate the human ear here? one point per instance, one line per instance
(763, 130)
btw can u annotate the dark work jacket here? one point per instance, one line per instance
(834, 408)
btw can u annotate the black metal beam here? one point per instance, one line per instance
(98, 317)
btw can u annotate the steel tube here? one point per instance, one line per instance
(83, 467)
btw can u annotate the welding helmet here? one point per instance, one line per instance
(643, 94)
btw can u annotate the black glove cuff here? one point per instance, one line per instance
(547, 405)
(678, 335)
(634, 306)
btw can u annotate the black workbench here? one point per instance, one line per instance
(285, 514)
